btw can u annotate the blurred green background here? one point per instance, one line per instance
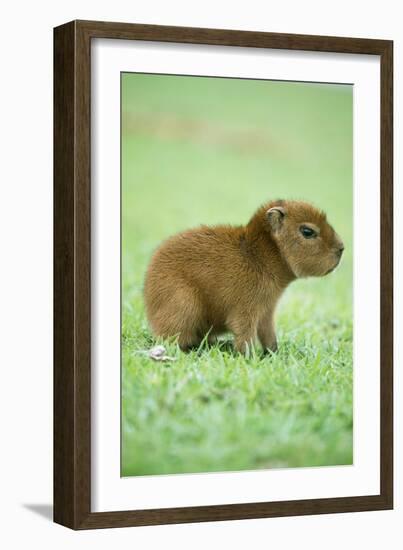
(199, 150)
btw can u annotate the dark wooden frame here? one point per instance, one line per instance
(72, 267)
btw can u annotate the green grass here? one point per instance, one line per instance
(210, 151)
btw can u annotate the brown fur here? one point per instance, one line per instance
(210, 280)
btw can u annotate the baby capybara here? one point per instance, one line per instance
(211, 280)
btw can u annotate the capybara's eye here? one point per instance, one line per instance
(307, 232)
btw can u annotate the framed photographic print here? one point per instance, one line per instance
(223, 216)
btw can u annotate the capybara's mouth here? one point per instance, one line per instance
(332, 268)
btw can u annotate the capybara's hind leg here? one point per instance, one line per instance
(188, 341)
(181, 316)
(191, 320)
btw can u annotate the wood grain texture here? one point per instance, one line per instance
(386, 282)
(72, 274)
(221, 37)
(64, 383)
(72, 296)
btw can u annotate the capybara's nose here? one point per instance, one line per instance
(340, 249)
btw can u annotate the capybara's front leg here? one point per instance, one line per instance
(266, 332)
(244, 329)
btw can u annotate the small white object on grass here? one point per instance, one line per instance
(158, 354)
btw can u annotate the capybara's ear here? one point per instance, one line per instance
(275, 215)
